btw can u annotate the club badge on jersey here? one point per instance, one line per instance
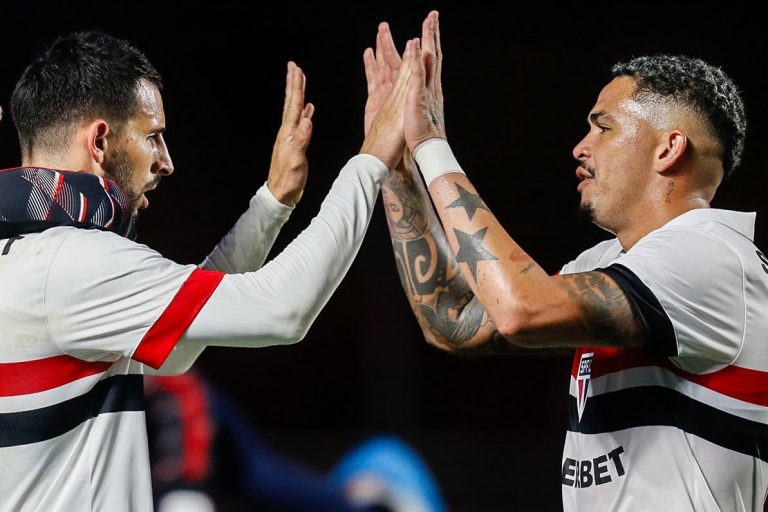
(582, 380)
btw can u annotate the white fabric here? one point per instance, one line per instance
(247, 244)
(243, 249)
(278, 303)
(184, 500)
(435, 158)
(87, 295)
(707, 275)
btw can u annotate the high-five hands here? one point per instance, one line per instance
(386, 101)
(424, 118)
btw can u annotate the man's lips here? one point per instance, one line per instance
(584, 177)
(583, 173)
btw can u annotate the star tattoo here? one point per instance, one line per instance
(471, 249)
(469, 201)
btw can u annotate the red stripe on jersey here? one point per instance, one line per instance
(56, 193)
(610, 360)
(39, 375)
(740, 383)
(83, 207)
(166, 331)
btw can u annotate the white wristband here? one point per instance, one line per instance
(435, 158)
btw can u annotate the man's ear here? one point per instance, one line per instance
(96, 138)
(670, 151)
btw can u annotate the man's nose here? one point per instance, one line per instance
(582, 151)
(163, 165)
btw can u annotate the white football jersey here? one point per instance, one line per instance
(83, 313)
(682, 423)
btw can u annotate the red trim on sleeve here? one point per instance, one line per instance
(27, 377)
(174, 321)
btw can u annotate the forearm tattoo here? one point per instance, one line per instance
(428, 270)
(406, 216)
(468, 201)
(471, 249)
(457, 318)
(609, 315)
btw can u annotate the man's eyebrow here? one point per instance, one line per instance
(595, 117)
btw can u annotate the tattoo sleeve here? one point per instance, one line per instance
(607, 313)
(439, 295)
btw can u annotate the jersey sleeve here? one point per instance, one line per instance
(245, 247)
(107, 297)
(278, 303)
(699, 283)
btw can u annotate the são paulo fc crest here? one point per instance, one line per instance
(582, 381)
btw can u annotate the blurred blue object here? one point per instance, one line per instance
(386, 470)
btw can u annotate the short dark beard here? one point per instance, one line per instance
(119, 170)
(586, 212)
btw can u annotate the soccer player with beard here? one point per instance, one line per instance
(85, 311)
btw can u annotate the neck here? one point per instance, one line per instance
(656, 216)
(69, 161)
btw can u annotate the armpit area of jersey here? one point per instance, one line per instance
(657, 328)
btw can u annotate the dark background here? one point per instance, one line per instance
(518, 84)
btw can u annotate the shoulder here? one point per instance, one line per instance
(597, 256)
(698, 241)
(98, 249)
(91, 261)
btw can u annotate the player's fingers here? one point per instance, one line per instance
(406, 69)
(288, 77)
(369, 63)
(295, 103)
(388, 49)
(380, 46)
(439, 54)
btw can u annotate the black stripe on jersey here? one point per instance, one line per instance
(658, 332)
(114, 394)
(656, 405)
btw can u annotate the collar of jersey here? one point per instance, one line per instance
(33, 199)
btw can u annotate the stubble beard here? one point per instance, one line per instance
(118, 169)
(587, 212)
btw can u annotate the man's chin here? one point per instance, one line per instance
(587, 212)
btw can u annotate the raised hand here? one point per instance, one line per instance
(381, 70)
(289, 166)
(424, 118)
(385, 138)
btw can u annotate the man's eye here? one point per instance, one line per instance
(602, 129)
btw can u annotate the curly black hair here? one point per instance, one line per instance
(701, 86)
(81, 74)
